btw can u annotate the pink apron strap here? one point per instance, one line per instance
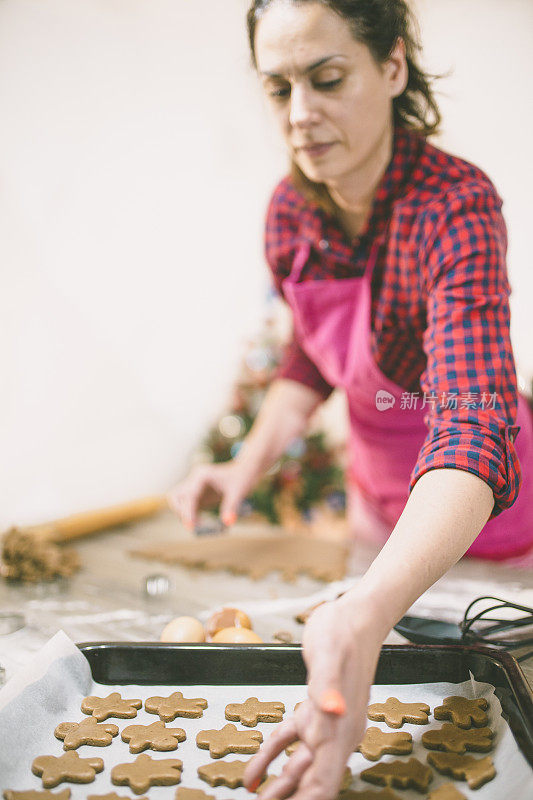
(300, 260)
(304, 250)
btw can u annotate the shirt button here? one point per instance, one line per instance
(323, 244)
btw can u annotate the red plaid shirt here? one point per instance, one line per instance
(440, 302)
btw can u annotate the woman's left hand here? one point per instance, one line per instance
(341, 645)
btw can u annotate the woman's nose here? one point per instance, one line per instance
(303, 110)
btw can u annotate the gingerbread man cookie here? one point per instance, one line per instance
(229, 739)
(112, 796)
(458, 740)
(253, 711)
(193, 794)
(111, 706)
(463, 712)
(88, 731)
(145, 771)
(293, 747)
(223, 773)
(53, 770)
(346, 779)
(377, 743)
(32, 794)
(446, 792)
(401, 774)
(475, 771)
(266, 783)
(395, 713)
(176, 705)
(154, 737)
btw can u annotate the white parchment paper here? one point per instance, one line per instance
(50, 690)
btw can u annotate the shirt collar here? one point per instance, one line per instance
(320, 227)
(395, 180)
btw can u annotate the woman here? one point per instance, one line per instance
(391, 255)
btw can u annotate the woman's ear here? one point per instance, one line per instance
(396, 69)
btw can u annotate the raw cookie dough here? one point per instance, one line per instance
(29, 558)
(401, 774)
(256, 556)
(53, 770)
(88, 731)
(292, 747)
(343, 791)
(176, 705)
(346, 779)
(193, 794)
(458, 740)
(377, 743)
(111, 706)
(146, 771)
(266, 783)
(253, 711)
(223, 773)
(395, 713)
(32, 794)
(463, 712)
(476, 771)
(154, 737)
(229, 740)
(446, 792)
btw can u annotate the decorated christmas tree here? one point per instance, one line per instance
(306, 485)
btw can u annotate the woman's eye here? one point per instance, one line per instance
(327, 85)
(280, 91)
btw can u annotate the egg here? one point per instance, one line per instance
(236, 635)
(227, 618)
(183, 629)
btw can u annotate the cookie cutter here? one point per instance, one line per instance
(157, 585)
(210, 528)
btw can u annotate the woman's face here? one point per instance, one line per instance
(332, 101)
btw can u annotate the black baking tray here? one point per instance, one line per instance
(153, 663)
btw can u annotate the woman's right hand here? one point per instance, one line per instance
(229, 481)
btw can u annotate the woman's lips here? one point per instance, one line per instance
(316, 150)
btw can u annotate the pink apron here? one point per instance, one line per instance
(333, 321)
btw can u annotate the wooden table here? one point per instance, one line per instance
(107, 601)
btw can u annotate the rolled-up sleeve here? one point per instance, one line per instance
(469, 387)
(280, 240)
(295, 365)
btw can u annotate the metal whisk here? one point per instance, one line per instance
(483, 628)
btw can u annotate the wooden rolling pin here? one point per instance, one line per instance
(77, 525)
(32, 554)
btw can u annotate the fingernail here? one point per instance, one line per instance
(255, 785)
(229, 518)
(188, 524)
(332, 702)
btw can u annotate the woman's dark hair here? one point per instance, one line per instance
(378, 24)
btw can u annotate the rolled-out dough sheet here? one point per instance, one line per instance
(256, 556)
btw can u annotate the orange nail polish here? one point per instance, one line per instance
(255, 785)
(229, 519)
(332, 702)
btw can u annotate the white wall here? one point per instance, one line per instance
(487, 106)
(135, 164)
